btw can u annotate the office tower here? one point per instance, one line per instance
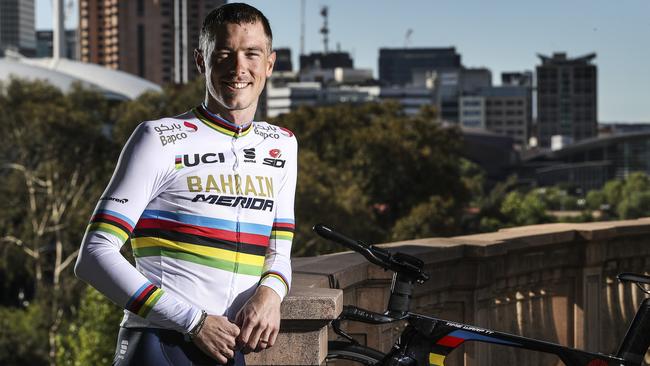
(404, 66)
(566, 98)
(283, 60)
(154, 39)
(44, 44)
(326, 61)
(17, 27)
(418, 67)
(505, 110)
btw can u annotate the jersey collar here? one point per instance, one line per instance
(219, 124)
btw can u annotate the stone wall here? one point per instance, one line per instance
(555, 282)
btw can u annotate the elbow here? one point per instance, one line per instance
(80, 267)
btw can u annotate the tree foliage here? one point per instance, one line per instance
(364, 168)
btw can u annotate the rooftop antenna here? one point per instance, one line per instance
(407, 38)
(325, 30)
(302, 27)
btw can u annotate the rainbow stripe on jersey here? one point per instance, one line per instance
(111, 222)
(144, 299)
(219, 124)
(203, 240)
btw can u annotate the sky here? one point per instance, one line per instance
(502, 35)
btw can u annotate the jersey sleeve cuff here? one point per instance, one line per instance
(194, 321)
(277, 283)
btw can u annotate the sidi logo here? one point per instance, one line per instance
(273, 160)
(188, 160)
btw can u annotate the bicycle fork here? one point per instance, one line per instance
(637, 339)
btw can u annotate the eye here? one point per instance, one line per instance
(253, 54)
(221, 55)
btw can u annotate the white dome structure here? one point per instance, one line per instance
(62, 73)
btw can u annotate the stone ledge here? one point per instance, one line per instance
(304, 303)
(302, 340)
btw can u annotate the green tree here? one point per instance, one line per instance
(524, 209)
(24, 335)
(375, 163)
(89, 339)
(53, 155)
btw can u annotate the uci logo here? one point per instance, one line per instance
(186, 160)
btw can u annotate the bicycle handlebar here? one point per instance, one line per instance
(397, 262)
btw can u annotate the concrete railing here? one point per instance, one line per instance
(555, 282)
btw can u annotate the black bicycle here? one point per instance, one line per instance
(427, 340)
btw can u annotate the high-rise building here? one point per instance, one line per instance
(505, 110)
(154, 39)
(418, 67)
(566, 98)
(17, 26)
(325, 61)
(44, 44)
(404, 66)
(283, 60)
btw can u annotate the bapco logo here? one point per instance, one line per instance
(274, 161)
(249, 155)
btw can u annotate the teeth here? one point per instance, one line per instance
(239, 85)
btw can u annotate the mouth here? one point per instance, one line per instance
(237, 85)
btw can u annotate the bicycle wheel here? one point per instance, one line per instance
(351, 352)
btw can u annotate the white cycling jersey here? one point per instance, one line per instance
(208, 207)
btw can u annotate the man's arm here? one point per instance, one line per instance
(140, 173)
(259, 319)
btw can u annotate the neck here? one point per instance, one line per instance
(238, 117)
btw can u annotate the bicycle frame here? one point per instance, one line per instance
(428, 340)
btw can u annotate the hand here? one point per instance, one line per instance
(217, 338)
(259, 320)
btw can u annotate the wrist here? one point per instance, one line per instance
(268, 294)
(194, 332)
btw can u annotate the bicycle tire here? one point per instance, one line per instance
(338, 350)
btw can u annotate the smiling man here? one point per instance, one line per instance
(206, 199)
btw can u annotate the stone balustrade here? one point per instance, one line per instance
(555, 282)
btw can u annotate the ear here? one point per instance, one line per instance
(271, 62)
(199, 60)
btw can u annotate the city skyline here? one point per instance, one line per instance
(504, 36)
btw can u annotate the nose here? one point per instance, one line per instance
(239, 64)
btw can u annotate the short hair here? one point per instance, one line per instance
(232, 13)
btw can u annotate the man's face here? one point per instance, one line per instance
(238, 66)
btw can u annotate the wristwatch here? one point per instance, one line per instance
(197, 328)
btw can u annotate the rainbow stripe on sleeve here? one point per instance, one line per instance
(111, 222)
(144, 300)
(283, 229)
(277, 275)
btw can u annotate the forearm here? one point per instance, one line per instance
(101, 265)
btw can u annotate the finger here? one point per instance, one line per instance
(239, 318)
(234, 330)
(254, 338)
(246, 330)
(264, 338)
(273, 337)
(229, 353)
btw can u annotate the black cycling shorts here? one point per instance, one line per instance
(161, 347)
